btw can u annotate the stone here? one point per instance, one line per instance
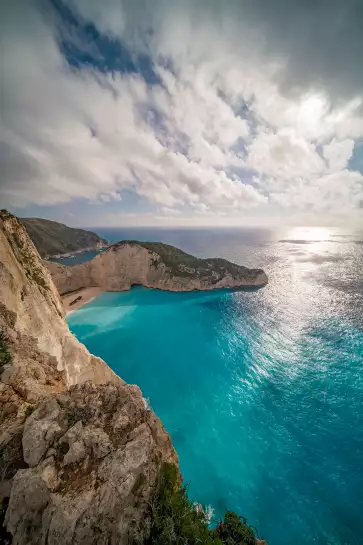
(97, 441)
(73, 434)
(94, 488)
(49, 473)
(75, 454)
(40, 430)
(29, 496)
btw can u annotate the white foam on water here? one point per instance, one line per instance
(147, 403)
(207, 511)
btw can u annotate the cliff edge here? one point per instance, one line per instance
(80, 454)
(153, 265)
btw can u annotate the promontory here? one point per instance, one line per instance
(153, 265)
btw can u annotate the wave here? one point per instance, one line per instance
(207, 511)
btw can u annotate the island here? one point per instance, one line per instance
(150, 264)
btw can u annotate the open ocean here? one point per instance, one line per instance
(262, 392)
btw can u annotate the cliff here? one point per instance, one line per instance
(52, 238)
(154, 265)
(80, 454)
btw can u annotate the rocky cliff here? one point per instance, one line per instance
(154, 265)
(79, 452)
(52, 238)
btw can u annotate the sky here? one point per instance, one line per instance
(194, 112)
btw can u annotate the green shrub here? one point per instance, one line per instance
(5, 355)
(234, 530)
(176, 521)
(75, 414)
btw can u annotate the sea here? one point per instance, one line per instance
(261, 391)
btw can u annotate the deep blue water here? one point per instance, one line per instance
(262, 392)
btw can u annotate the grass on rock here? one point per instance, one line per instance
(176, 521)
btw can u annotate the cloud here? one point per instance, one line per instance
(284, 155)
(192, 109)
(170, 211)
(312, 45)
(338, 153)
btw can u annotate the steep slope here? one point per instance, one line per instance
(154, 265)
(79, 461)
(53, 238)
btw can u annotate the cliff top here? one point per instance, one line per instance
(182, 264)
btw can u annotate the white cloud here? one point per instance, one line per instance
(338, 153)
(217, 137)
(170, 211)
(284, 155)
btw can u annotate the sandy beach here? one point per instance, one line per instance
(79, 298)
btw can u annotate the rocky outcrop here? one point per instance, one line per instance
(79, 451)
(93, 455)
(154, 265)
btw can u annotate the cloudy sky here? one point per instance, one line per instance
(199, 112)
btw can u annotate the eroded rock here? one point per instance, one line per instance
(154, 265)
(80, 453)
(94, 479)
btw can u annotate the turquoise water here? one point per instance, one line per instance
(262, 392)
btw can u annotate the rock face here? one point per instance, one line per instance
(52, 238)
(154, 265)
(30, 306)
(79, 452)
(93, 456)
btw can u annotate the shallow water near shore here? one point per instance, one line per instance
(262, 392)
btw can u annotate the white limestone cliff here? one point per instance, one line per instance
(153, 265)
(80, 453)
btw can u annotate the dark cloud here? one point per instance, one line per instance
(319, 42)
(322, 41)
(16, 165)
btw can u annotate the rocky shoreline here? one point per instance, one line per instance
(153, 265)
(74, 254)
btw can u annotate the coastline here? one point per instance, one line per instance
(74, 253)
(85, 294)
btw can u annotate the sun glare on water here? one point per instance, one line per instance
(310, 234)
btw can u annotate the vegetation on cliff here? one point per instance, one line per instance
(5, 355)
(177, 521)
(53, 238)
(186, 265)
